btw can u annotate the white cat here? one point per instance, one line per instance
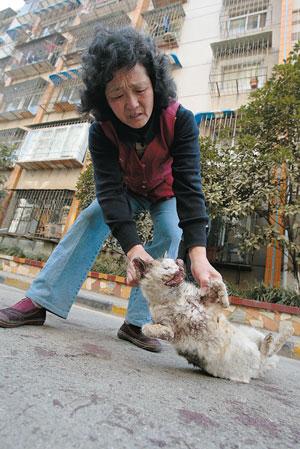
(195, 325)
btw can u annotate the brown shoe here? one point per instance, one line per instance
(135, 335)
(21, 313)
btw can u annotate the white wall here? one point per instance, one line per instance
(201, 27)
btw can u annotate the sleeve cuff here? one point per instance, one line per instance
(195, 235)
(127, 236)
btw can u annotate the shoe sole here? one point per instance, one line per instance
(18, 324)
(123, 336)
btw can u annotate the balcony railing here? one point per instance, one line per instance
(46, 7)
(240, 17)
(35, 57)
(12, 138)
(6, 15)
(164, 3)
(238, 78)
(165, 24)
(66, 96)
(218, 125)
(25, 14)
(6, 50)
(55, 147)
(84, 34)
(56, 15)
(258, 44)
(3, 63)
(20, 33)
(100, 8)
(39, 213)
(21, 100)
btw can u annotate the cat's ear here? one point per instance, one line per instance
(140, 266)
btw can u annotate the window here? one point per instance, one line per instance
(40, 213)
(55, 142)
(225, 238)
(249, 22)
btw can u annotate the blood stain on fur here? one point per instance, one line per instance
(197, 418)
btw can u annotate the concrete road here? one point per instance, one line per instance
(73, 384)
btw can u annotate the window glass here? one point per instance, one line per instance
(253, 22)
(237, 25)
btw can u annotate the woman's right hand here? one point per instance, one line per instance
(135, 251)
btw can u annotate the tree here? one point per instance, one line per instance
(6, 163)
(85, 193)
(260, 174)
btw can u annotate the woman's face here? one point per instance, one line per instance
(130, 96)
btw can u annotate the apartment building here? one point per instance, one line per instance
(219, 52)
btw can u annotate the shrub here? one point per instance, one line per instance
(261, 292)
(110, 263)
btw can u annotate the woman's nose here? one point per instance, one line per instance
(132, 101)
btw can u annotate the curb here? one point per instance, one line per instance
(291, 349)
(101, 305)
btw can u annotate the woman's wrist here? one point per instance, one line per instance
(197, 252)
(135, 251)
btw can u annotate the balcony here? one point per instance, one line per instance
(55, 147)
(66, 96)
(84, 34)
(48, 7)
(56, 15)
(7, 15)
(35, 57)
(221, 125)
(164, 3)
(22, 100)
(165, 24)
(238, 78)
(257, 44)
(12, 138)
(100, 8)
(39, 214)
(25, 15)
(3, 63)
(20, 33)
(241, 17)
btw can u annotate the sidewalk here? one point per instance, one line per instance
(117, 306)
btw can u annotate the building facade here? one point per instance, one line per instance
(219, 52)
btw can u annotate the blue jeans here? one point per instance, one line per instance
(57, 285)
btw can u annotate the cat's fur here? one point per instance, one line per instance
(195, 324)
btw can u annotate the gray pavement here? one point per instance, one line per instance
(73, 384)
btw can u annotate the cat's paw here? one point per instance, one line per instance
(217, 293)
(158, 331)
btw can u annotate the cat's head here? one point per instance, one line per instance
(165, 271)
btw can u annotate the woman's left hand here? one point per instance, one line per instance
(202, 271)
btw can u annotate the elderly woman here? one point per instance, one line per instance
(145, 153)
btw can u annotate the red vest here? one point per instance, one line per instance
(150, 176)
